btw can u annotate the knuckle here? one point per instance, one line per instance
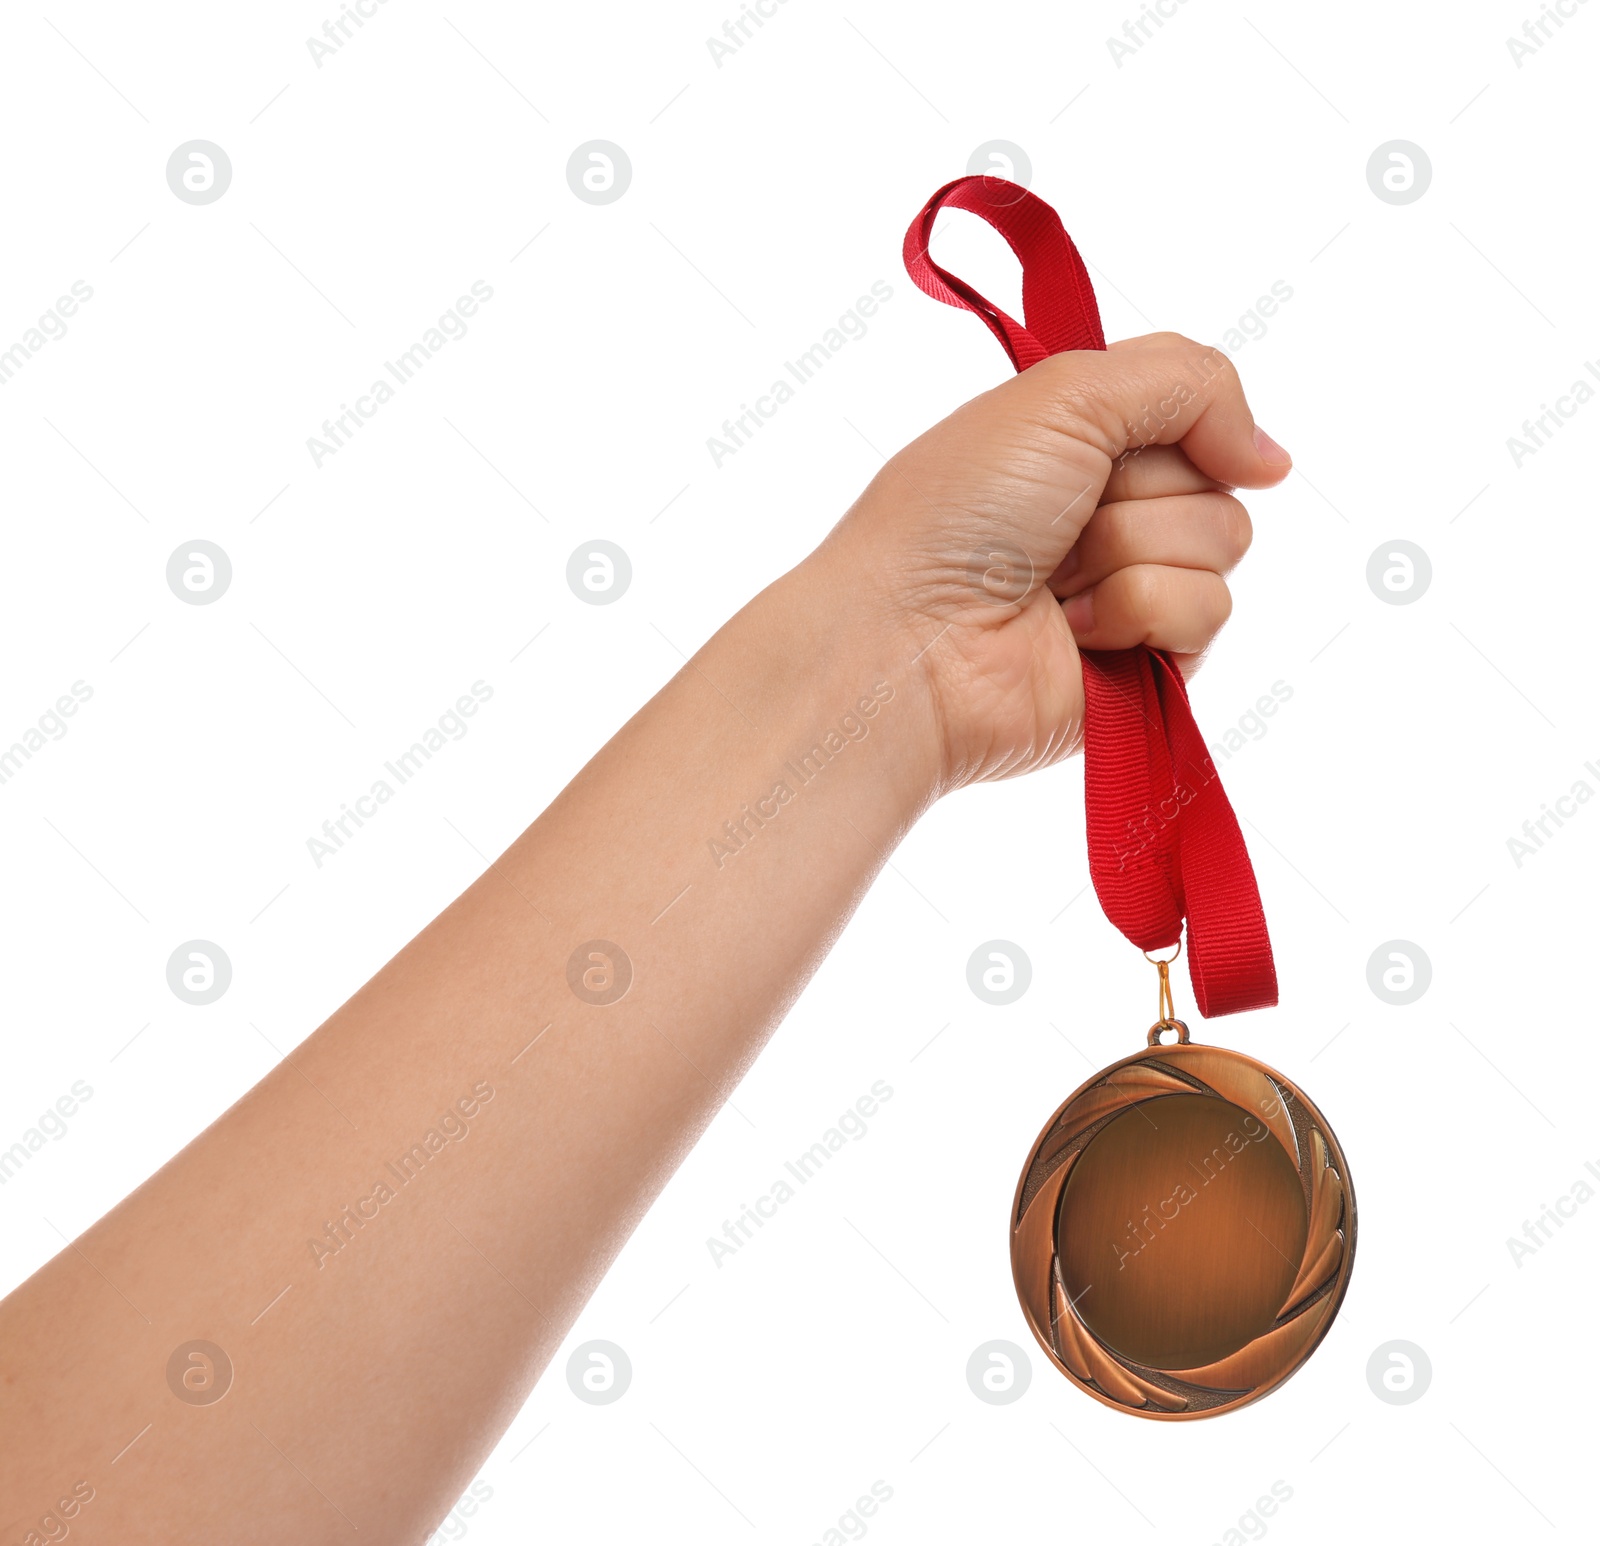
(1192, 350)
(1214, 363)
(1219, 604)
(1070, 375)
(1078, 398)
(1161, 338)
(1236, 529)
(1147, 591)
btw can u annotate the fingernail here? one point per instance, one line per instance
(1270, 451)
(1079, 612)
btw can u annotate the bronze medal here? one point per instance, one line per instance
(1183, 1230)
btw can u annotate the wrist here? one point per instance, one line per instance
(856, 676)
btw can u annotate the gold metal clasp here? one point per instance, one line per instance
(1166, 1010)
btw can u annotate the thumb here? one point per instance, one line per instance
(1170, 390)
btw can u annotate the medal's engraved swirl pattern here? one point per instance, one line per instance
(1320, 1275)
(1077, 1122)
(1324, 1238)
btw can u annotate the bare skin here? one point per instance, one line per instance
(414, 1330)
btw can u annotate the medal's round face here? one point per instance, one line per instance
(1183, 1232)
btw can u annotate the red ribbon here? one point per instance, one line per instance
(1164, 843)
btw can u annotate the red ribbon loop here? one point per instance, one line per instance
(1164, 844)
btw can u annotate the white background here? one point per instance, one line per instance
(1228, 152)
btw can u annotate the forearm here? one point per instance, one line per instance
(720, 840)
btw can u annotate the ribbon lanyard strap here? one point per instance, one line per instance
(1164, 844)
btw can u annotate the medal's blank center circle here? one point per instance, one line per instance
(1181, 1230)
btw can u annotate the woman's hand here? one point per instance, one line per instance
(1086, 503)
